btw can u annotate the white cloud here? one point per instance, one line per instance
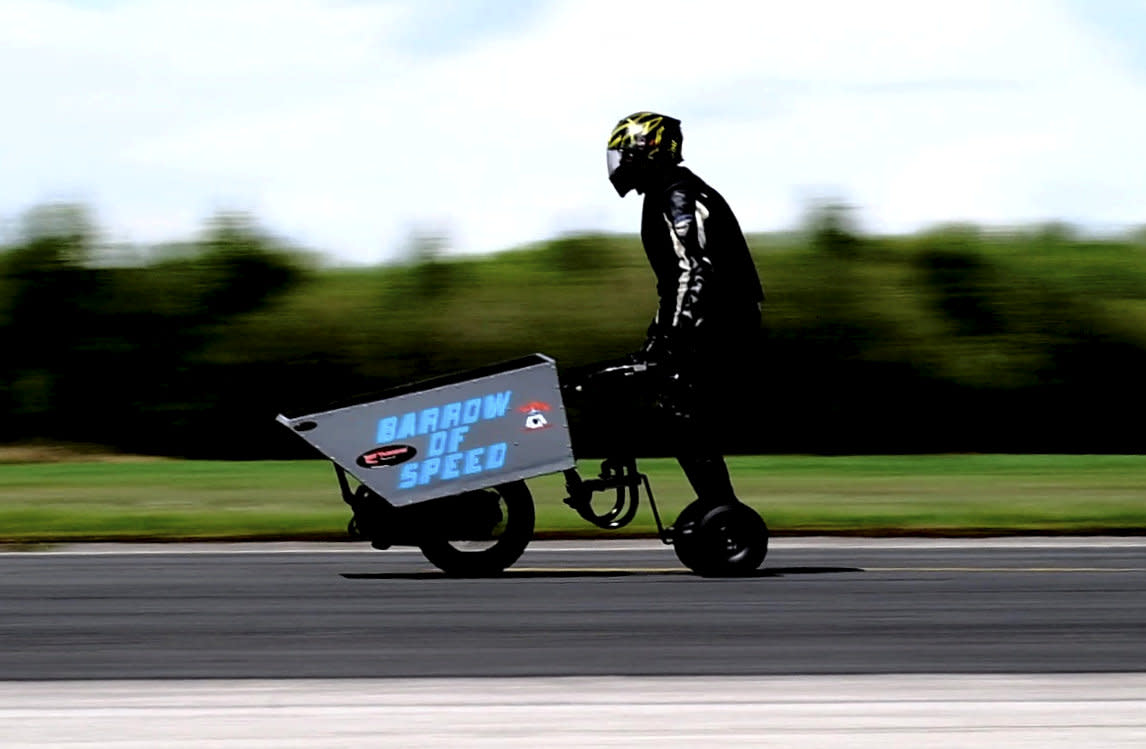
(310, 114)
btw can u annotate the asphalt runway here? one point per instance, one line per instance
(627, 609)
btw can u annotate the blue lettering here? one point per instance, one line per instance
(450, 469)
(494, 406)
(451, 415)
(473, 461)
(408, 427)
(429, 470)
(495, 456)
(428, 422)
(457, 435)
(387, 428)
(453, 465)
(471, 411)
(437, 444)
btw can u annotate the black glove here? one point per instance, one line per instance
(658, 347)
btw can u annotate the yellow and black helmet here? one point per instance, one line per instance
(639, 142)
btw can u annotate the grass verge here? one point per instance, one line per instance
(925, 495)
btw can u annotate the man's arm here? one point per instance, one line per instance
(682, 313)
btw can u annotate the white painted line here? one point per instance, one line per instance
(812, 712)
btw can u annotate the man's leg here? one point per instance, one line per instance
(696, 440)
(716, 376)
(708, 475)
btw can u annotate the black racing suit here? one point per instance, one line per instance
(705, 335)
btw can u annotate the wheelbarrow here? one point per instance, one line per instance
(441, 464)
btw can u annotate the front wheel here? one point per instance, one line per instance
(727, 540)
(482, 532)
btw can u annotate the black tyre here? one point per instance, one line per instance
(686, 540)
(723, 541)
(495, 526)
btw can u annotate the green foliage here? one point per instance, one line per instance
(109, 354)
(955, 339)
(239, 270)
(579, 254)
(831, 230)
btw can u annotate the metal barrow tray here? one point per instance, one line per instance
(449, 435)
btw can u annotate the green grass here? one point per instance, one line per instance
(963, 494)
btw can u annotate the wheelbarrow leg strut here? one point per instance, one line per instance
(620, 474)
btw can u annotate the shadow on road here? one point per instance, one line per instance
(592, 573)
(784, 571)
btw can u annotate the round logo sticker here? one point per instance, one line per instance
(388, 455)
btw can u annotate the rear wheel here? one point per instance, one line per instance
(481, 533)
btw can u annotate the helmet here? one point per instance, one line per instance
(640, 143)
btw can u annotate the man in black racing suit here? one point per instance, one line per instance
(704, 337)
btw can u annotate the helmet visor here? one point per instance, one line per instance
(624, 170)
(613, 159)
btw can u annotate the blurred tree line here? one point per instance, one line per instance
(957, 339)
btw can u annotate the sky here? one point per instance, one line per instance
(349, 126)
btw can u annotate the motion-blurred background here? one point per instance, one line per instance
(218, 211)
